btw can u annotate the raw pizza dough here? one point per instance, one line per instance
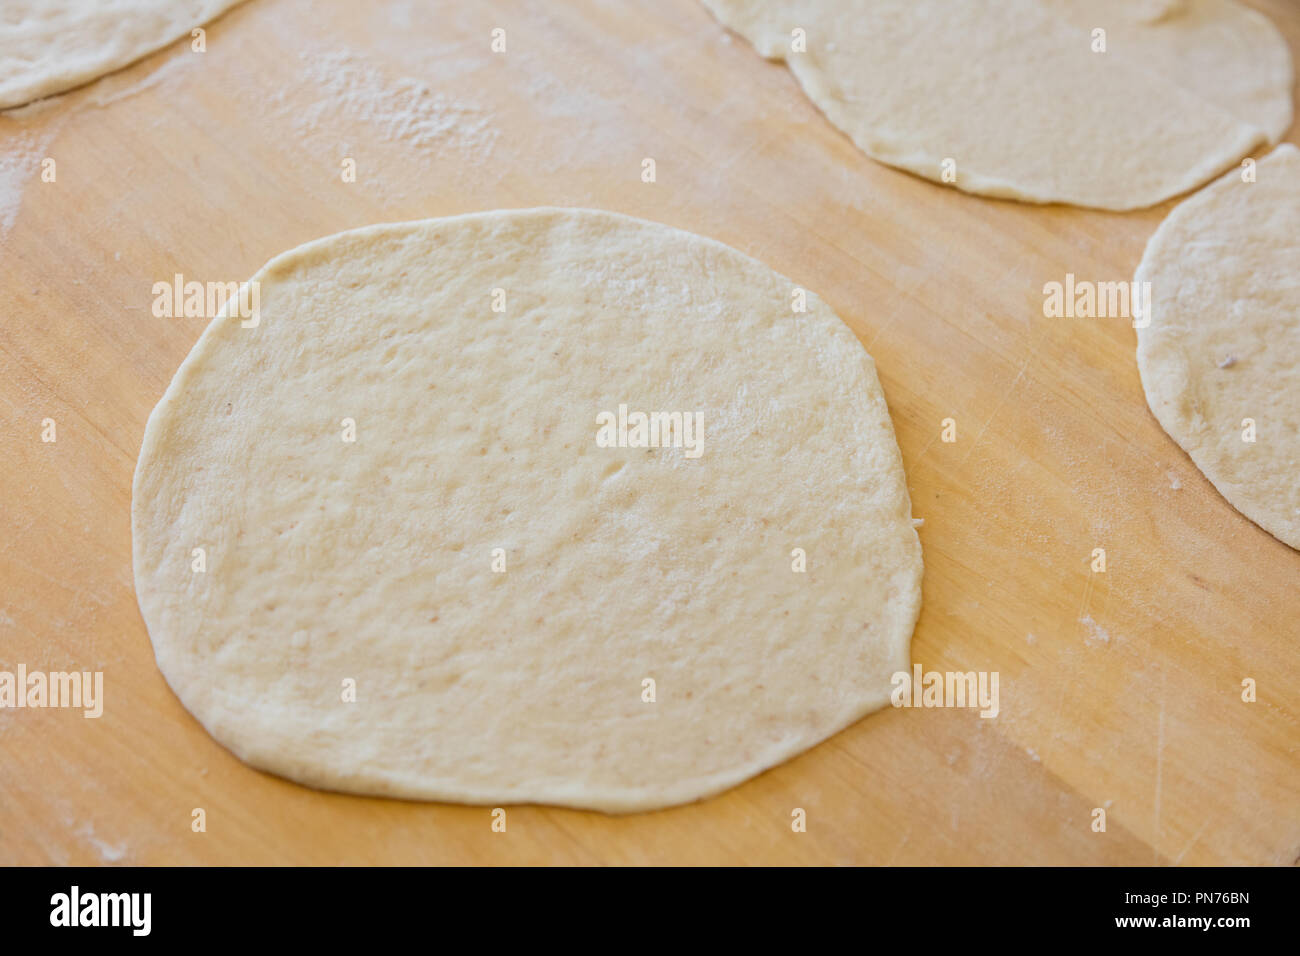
(1223, 344)
(475, 430)
(48, 46)
(1012, 92)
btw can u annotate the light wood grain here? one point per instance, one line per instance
(1119, 690)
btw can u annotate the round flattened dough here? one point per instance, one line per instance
(48, 46)
(1223, 344)
(1012, 92)
(476, 430)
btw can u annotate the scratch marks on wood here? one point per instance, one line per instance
(1001, 402)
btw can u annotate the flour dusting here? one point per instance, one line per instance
(108, 852)
(405, 110)
(24, 146)
(1096, 634)
(20, 161)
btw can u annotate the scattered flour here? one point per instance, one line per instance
(27, 132)
(404, 110)
(21, 153)
(1096, 633)
(110, 853)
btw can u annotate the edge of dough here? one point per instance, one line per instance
(1165, 412)
(24, 87)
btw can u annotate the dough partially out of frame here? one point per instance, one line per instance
(1016, 98)
(48, 46)
(1223, 345)
(399, 486)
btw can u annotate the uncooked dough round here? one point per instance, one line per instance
(500, 587)
(1019, 98)
(1223, 344)
(48, 46)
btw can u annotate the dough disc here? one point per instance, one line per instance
(372, 560)
(1223, 344)
(1013, 93)
(48, 46)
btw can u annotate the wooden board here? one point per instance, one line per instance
(1119, 690)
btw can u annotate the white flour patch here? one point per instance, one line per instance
(1096, 634)
(584, 113)
(23, 149)
(110, 853)
(404, 110)
(21, 154)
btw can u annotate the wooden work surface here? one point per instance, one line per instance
(1119, 690)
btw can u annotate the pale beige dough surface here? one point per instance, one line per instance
(1224, 340)
(1012, 92)
(48, 46)
(475, 430)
